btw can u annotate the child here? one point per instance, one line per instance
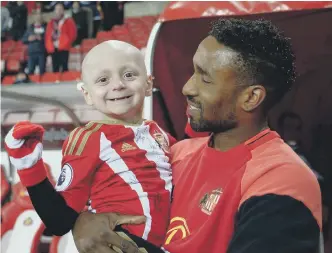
(119, 165)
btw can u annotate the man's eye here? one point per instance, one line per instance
(205, 79)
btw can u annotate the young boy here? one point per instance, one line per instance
(120, 164)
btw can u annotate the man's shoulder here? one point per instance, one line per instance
(276, 169)
(186, 147)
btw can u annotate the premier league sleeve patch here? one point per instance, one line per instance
(65, 178)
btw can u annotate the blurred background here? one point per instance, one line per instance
(43, 44)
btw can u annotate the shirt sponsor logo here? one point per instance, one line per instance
(126, 147)
(178, 226)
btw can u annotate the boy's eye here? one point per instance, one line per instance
(102, 80)
(128, 75)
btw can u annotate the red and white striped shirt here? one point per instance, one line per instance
(120, 168)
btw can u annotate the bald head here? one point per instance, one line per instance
(109, 53)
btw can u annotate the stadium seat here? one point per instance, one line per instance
(35, 78)
(17, 55)
(9, 44)
(5, 186)
(120, 30)
(87, 44)
(8, 80)
(50, 78)
(70, 76)
(63, 244)
(13, 65)
(4, 55)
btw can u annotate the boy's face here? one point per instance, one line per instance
(116, 82)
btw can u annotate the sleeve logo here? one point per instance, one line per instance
(65, 178)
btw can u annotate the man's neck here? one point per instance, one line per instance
(231, 138)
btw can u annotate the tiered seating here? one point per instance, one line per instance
(134, 31)
(48, 77)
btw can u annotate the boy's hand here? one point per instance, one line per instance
(24, 146)
(94, 233)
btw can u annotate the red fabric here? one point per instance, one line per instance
(33, 176)
(8, 80)
(67, 35)
(204, 212)
(136, 160)
(185, 10)
(193, 134)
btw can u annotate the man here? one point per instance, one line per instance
(60, 35)
(34, 38)
(242, 189)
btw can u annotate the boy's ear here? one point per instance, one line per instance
(150, 86)
(85, 92)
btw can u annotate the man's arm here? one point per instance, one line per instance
(280, 212)
(274, 224)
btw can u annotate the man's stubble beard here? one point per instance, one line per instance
(228, 122)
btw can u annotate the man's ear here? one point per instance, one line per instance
(86, 94)
(252, 97)
(150, 86)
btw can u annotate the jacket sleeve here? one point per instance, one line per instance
(26, 35)
(274, 224)
(73, 30)
(48, 36)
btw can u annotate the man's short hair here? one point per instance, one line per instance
(265, 55)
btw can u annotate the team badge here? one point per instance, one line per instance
(65, 178)
(161, 140)
(210, 200)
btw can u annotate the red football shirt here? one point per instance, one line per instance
(120, 168)
(211, 186)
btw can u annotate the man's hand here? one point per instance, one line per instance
(24, 146)
(31, 38)
(94, 233)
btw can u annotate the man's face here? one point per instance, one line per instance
(212, 92)
(117, 83)
(59, 11)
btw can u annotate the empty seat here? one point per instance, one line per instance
(8, 44)
(87, 44)
(8, 80)
(13, 65)
(17, 55)
(70, 76)
(50, 78)
(35, 78)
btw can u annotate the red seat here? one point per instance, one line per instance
(50, 78)
(71, 76)
(35, 78)
(4, 56)
(120, 29)
(19, 55)
(13, 65)
(8, 80)
(75, 50)
(8, 44)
